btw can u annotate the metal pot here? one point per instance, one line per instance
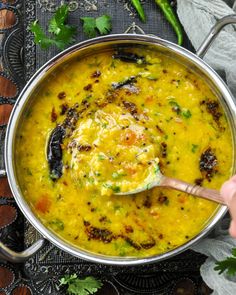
(191, 60)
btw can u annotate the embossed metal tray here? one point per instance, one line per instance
(39, 275)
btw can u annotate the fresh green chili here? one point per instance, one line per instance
(172, 18)
(139, 8)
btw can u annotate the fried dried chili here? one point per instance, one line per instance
(132, 108)
(54, 149)
(127, 84)
(129, 57)
(208, 163)
(54, 152)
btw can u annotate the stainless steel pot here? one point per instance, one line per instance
(191, 60)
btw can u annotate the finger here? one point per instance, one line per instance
(228, 189)
(228, 192)
(232, 229)
(232, 207)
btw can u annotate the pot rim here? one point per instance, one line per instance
(16, 114)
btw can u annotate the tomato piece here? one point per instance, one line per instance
(129, 137)
(130, 170)
(43, 204)
(182, 199)
(149, 99)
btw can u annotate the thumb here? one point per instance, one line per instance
(232, 229)
(228, 192)
(228, 189)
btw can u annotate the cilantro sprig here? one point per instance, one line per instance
(76, 286)
(61, 34)
(180, 111)
(228, 265)
(115, 188)
(92, 25)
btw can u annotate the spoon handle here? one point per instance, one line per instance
(196, 190)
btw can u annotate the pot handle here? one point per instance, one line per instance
(18, 257)
(133, 28)
(3, 173)
(220, 24)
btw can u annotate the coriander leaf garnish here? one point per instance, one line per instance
(115, 188)
(228, 265)
(39, 36)
(61, 33)
(89, 26)
(76, 286)
(186, 113)
(57, 223)
(58, 20)
(101, 157)
(65, 37)
(117, 175)
(101, 24)
(194, 147)
(177, 108)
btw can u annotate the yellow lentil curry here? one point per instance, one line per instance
(95, 128)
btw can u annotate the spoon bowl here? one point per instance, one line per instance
(157, 179)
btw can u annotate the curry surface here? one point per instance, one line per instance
(125, 113)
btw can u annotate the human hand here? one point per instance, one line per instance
(228, 192)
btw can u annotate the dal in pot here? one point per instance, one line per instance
(93, 129)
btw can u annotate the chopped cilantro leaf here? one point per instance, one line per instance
(174, 103)
(91, 180)
(228, 265)
(157, 170)
(187, 114)
(194, 148)
(61, 33)
(65, 37)
(101, 24)
(57, 223)
(56, 23)
(89, 26)
(76, 286)
(104, 125)
(117, 175)
(149, 186)
(39, 36)
(115, 188)
(101, 157)
(175, 106)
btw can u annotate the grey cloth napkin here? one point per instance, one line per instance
(197, 18)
